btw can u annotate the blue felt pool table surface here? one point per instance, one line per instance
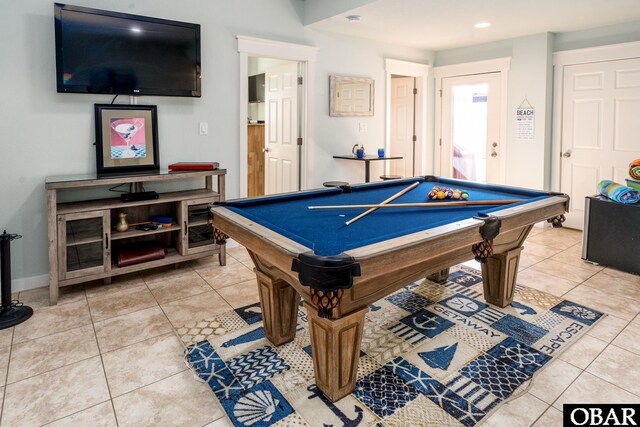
(324, 230)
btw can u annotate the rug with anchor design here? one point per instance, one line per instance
(432, 354)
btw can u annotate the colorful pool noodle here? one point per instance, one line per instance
(634, 169)
(618, 193)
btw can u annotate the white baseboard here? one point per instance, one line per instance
(27, 283)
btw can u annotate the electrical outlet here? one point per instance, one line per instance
(203, 128)
(363, 127)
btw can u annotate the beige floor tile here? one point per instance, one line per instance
(4, 364)
(55, 394)
(589, 388)
(177, 287)
(50, 320)
(210, 263)
(527, 260)
(573, 256)
(97, 416)
(556, 239)
(39, 297)
(619, 367)
(554, 380)
(119, 284)
(615, 285)
(541, 251)
(180, 400)
(629, 338)
(131, 328)
(622, 275)
(521, 411)
(583, 352)
(44, 354)
(106, 306)
(551, 418)
(221, 422)
(241, 294)
(608, 328)
(239, 253)
(614, 304)
(563, 270)
(545, 282)
(6, 336)
(143, 363)
(228, 275)
(198, 307)
(166, 272)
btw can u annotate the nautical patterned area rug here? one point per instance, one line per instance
(432, 354)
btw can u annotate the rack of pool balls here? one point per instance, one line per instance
(445, 193)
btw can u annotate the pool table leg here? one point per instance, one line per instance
(439, 276)
(335, 349)
(279, 302)
(499, 275)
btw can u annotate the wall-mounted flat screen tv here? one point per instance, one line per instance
(99, 51)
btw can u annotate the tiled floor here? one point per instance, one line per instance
(80, 362)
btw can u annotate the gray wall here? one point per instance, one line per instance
(43, 133)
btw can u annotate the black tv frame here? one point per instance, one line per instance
(62, 88)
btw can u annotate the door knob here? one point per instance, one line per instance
(494, 154)
(567, 154)
(266, 150)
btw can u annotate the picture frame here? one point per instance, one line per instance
(126, 138)
(351, 96)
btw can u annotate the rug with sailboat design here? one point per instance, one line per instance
(432, 354)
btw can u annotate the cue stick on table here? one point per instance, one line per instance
(421, 205)
(390, 199)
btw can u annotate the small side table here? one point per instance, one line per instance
(367, 162)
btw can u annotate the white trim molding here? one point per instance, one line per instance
(477, 67)
(564, 58)
(424, 140)
(501, 65)
(304, 55)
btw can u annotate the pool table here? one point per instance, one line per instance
(339, 269)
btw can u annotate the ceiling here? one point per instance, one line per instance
(444, 24)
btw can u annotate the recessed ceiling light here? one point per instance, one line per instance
(353, 18)
(483, 25)
(136, 30)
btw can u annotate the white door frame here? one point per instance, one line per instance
(421, 74)
(500, 65)
(306, 56)
(573, 57)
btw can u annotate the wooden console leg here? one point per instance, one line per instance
(279, 303)
(222, 255)
(499, 275)
(335, 349)
(439, 276)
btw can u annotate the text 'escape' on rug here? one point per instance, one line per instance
(432, 354)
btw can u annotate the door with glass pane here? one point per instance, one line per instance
(84, 244)
(470, 144)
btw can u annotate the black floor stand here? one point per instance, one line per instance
(10, 313)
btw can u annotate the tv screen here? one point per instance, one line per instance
(98, 51)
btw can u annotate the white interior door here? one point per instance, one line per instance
(402, 125)
(600, 128)
(281, 124)
(470, 130)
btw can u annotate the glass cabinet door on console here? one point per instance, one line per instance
(83, 240)
(197, 232)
